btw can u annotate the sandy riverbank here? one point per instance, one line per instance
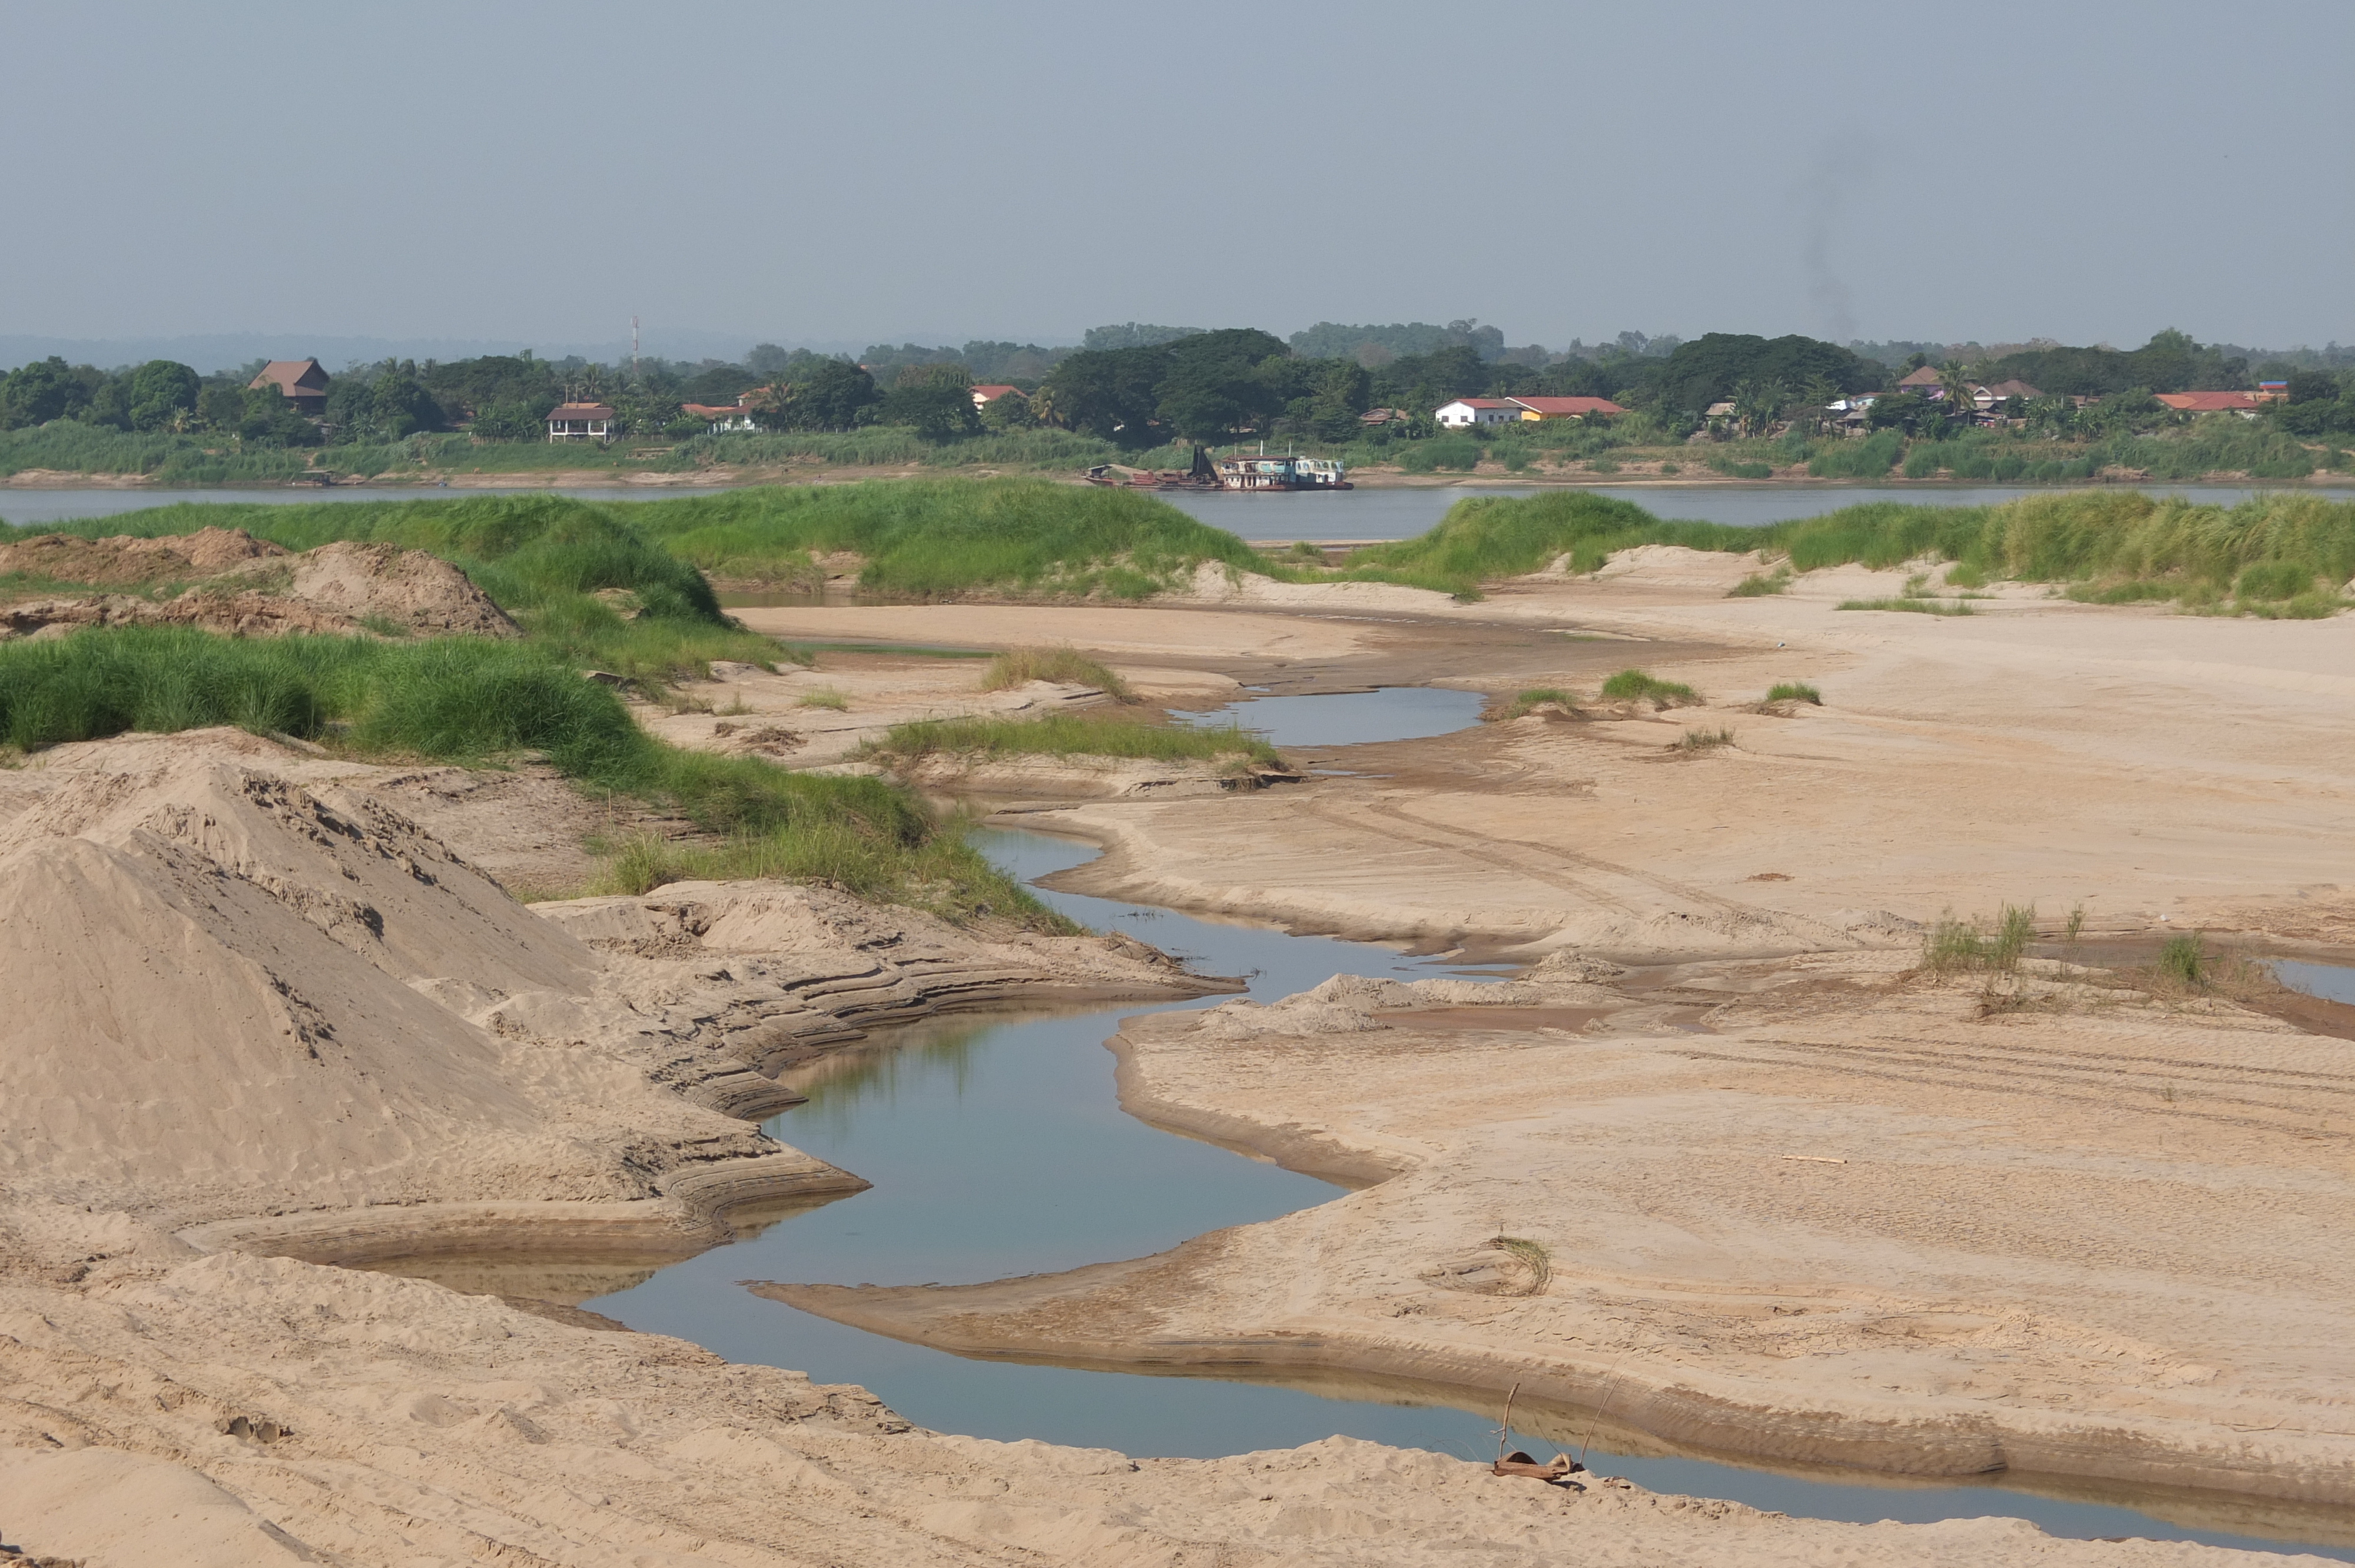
(1821, 1207)
(2096, 1232)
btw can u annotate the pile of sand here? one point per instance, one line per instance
(248, 588)
(123, 561)
(257, 989)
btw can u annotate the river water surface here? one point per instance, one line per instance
(1383, 513)
(998, 1148)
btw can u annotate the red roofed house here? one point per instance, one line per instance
(581, 422)
(2241, 403)
(722, 417)
(983, 396)
(1565, 407)
(1466, 412)
(301, 382)
(1925, 381)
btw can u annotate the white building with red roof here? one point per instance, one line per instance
(1466, 412)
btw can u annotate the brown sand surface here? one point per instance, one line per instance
(1800, 1199)
(1795, 1200)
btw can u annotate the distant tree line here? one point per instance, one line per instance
(1144, 385)
(159, 396)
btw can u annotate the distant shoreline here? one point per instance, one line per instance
(657, 483)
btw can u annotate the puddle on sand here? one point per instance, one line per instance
(2331, 983)
(998, 1148)
(1350, 718)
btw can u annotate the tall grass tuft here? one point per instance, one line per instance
(2183, 959)
(1793, 691)
(1536, 697)
(1060, 666)
(1953, 944)
(1636, 686)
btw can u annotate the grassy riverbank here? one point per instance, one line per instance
(546, 558)
(477, 703)
(2272, 549)
(917, 539)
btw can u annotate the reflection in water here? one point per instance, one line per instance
(996, 1148)
(2332, 982)
(1349, 718)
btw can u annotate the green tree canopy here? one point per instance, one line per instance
(1705, 370)
(36, 393)
(1105, 392)
(836, 396)
(160, 389)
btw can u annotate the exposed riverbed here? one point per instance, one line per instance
(998, 1148)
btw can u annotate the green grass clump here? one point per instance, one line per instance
(1098, 734)
(2183, 959)
(1912, 606)
(1704, 740)
(1534, 698)
(824, 697)
(1953, 944)
(1061, 666)
(1793, 691)
(1636, 685)
(2274, 580)
(473, 701)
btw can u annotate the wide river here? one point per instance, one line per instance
(996, 1148)
(1366, 514)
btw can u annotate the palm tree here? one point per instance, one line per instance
(1756, 404)
(1816, 393)
(1956, 378)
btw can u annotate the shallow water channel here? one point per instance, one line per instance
(996, 1148)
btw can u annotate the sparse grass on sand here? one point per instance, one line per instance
(1697, 740)
(1758, 584)
(1536, 697)
(1102, 733)
(1061, 666)
(1636, 687)
(1954, 945)
(1910, 606)
(1793, 691)
(824, 697)
(478, 703)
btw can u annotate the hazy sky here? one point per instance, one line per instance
(868, 170)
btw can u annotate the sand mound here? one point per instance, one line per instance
(123, 560)
(230, 998)
(412, 587)
(253, 589)
(1674, 566)
(250, 993)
